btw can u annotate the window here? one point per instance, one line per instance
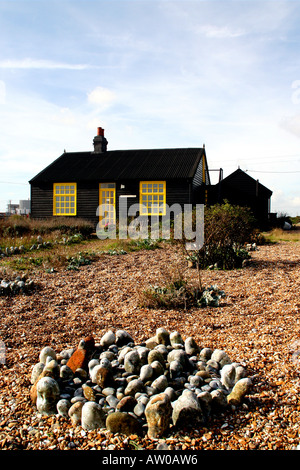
(64, 198)
(152, 198)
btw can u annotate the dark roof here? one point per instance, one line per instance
(113, 165)
(243, 182)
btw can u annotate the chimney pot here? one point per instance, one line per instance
(100, 142)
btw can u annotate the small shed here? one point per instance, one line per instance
(241, 189)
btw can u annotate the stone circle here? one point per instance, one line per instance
(141, 388)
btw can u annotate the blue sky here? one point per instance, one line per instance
(154, 74)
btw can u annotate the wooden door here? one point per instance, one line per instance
(107, 202)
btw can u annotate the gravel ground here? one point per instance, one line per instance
(257, 324)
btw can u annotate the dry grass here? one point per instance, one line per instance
(279, 235)
(19, 226)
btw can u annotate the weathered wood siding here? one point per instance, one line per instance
(88, 201)
(42, 201)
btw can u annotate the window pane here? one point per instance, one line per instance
(107, 185)
(64, 203)
(152, 194)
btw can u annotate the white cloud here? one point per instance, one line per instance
(102, 97)
(291, 124)
(29, 63)
(223, 32)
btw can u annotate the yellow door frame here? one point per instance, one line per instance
(107, 202)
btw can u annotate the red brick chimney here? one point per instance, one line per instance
(100, 142)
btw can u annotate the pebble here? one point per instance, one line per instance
(63, 406)
(45, 353)
(17, 286)
(175, 338)
(92, 416)
(108, 338)
(47, 395)
(146, 372)
(158, 414)
(192, 383)
(123, 338)
(139, 409)
(160, 384)
(112, 401)
(124, 423)
(187, 410)
(132, 362)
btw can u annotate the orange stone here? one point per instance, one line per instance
(80, 357)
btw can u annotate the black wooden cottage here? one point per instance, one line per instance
(76, 183)
(241, 189)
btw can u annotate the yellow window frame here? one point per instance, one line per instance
(65, 199)
(152, 197)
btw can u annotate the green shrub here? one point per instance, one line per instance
(226, 230)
